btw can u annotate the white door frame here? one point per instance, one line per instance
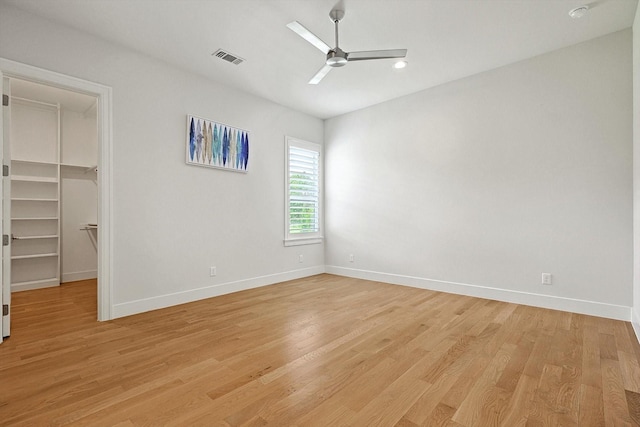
(5, 276)
(105, 195)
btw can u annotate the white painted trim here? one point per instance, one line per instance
(105, 154)
(297, 239)
(35, 285)
(105, 206)
(635, 322)
(304, 241)
(168, 300)
(74, 276)
(591, 308)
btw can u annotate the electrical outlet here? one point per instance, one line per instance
(351, 258)
(212, 271)
(546, 278)
(300, 258)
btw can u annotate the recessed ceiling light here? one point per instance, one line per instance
(578, 12)
(400, 64)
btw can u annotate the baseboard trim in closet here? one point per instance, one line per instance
(79, 275)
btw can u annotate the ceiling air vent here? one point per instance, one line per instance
(234, 59)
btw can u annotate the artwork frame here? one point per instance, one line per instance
(216, 145)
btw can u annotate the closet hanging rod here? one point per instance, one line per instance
(17, 98)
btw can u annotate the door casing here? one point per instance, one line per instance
(105, 153)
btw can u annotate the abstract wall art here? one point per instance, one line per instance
(216, 145)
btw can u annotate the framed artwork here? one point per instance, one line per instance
(216, 145)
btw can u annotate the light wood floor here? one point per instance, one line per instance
(319, 351)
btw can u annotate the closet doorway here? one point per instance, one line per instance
(54, 186)
(69, 174)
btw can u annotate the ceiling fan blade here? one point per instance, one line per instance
(320, 74)
(299, 29)
(376, 54)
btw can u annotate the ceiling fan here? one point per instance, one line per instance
(337, 57)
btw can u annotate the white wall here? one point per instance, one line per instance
(171, 222)
(79, 195)
(34, 132)
(480, 185)
(79, 137)
(78, 245)
(636, 173)
(504, 175)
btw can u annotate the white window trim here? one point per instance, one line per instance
(305, 241)
(306, 238)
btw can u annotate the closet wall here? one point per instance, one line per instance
(53, 187)
(79, 195)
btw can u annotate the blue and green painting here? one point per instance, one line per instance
(216, 145)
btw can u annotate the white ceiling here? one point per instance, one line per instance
(446, 40)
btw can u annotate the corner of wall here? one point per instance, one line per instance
(635, 309)
(635, 322)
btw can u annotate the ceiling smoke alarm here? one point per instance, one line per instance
(578, 12)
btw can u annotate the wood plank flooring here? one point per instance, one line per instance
(320, 351)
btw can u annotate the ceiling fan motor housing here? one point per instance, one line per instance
(336, 58)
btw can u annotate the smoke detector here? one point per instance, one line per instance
(578, 12)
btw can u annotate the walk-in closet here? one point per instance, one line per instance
(54, 188)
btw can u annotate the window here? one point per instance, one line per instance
(303, 193)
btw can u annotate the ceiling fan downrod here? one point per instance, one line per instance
(336, 57)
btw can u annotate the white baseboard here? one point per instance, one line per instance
(591, 308)
(635, 321)
(168, 300)
(36, 284)
(79, 275)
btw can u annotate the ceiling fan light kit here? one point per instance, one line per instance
(400, 65)
(336, 57)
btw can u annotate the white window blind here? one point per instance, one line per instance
(303, 189)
